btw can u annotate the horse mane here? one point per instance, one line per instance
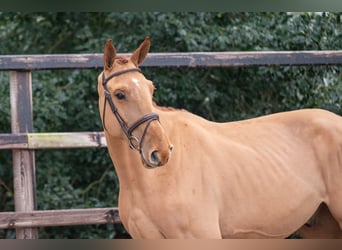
(169, 109)
(163, 108)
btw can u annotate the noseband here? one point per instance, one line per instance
(134, 142)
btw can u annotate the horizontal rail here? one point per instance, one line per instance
(189, 59)
(53, 140)
(65, 217)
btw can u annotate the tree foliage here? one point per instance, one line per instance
(66, 100)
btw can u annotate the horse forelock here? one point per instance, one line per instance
(121, 60)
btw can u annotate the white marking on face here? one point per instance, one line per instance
(136, 81)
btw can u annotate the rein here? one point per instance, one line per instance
(134, 142)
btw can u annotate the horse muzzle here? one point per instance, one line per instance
(157, 158)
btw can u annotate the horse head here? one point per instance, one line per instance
(126, 106)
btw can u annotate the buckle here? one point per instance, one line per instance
(134, 142)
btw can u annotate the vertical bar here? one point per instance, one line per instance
(24, 172)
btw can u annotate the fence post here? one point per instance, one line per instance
(24, 173)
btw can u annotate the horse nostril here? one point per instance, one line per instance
(155, 158)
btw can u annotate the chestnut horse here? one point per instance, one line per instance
(258, 178)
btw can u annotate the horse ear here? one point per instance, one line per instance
(140, 53)
(109, 55)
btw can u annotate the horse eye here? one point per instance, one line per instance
(120, 95)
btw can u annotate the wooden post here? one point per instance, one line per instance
(24, 172)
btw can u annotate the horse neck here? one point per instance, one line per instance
(127, 162)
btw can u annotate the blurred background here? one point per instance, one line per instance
(66, 100)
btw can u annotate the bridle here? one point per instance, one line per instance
(134, 142)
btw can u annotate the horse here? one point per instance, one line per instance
(182, 176)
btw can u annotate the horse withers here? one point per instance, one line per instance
(182, 176)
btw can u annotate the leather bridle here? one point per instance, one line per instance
(134, 142)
